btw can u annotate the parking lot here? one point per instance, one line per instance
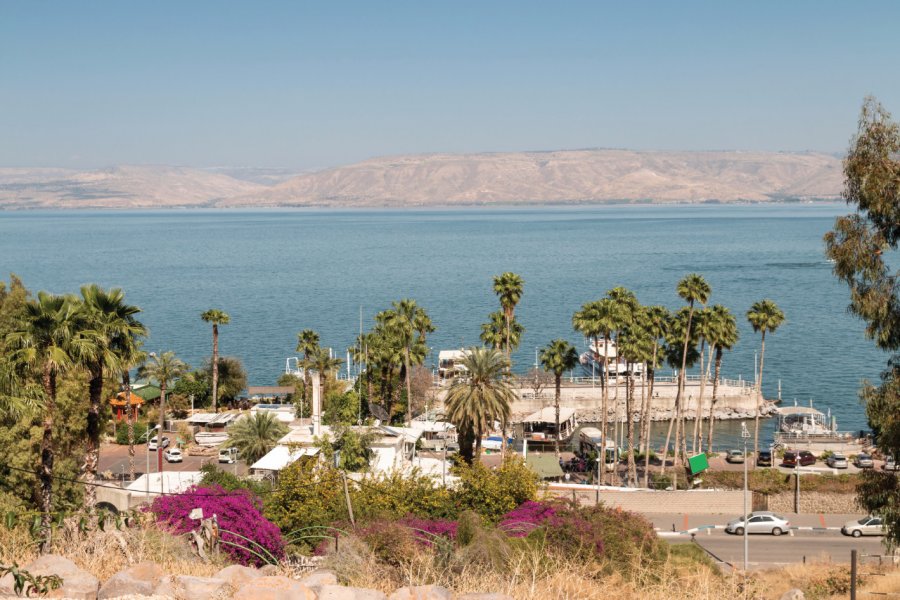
(114, 461)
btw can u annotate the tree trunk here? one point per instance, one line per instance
(712, 405)
(679, 397)
(92, 446)
(48, 381)
(478, 448)
(651, 373)
(629, 416)
(215, 369)
(603, 409)
(762, 358)
(159, 434)
(695, 436)
(466, 445)
(556, 404)
(129, 419)
(409, 398)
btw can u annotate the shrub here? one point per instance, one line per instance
(390, 541)
(530, 515)
(238, 514)
(140, 429)
(426, 530)
(493, 493)
(396, 495)
(213, 475)
(308, 494)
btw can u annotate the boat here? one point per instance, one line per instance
(450, 364)
(539, 428)
(804, 427)
(211, 438)
(592, 361)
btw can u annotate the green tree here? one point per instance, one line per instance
(475, 401)
(46, 341)
(722, 334)
(863, 248)
(655, 321)
(163, 368)
(216, 317)
(255, 435)
(109, 318)
(508, 287)
(232, 378)
(308, 344)
(764, 316)
(636, 344)
(410, 324)
(494, 333)
(558, 357)
(353, 448)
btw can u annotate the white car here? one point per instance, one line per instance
(836, 461)
(869, 525)
(173, 455)
(759, 522)
(152, 444)
(227, 455)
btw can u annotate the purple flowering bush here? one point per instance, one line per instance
(425, 530)
(237, 511)
(527, 517)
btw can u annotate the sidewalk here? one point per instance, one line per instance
(686, 522)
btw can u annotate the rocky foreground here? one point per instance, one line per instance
(148, 581)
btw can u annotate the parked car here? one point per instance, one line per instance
(789, 459)
(863, 461)
(227, 455)
(764, 458)
(173, 455)
(869, 525)
(759, 522)
(153, 441)
(806, 458)
(837, 461)
(890, 464)
(734, 456)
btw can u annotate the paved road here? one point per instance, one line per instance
(684, 522)
(114, 458)
(768, 551)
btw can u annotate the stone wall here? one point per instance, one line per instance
(726, 502)
(814, 502)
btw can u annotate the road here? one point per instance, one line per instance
(770, 551)
(114, 459)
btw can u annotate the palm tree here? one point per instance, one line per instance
(508, 288)
(701, 326)
(692, 289)
(597, 319)
(558, 357)
(255, 435)
(655, 321)
(407, 319)
(764, 316)
(216, 317)
(723, 335)
(636, 346)
(478, 399)
(308, 344)
(626, 304)
(46, 341)
(495, 334)
(107, 315)
(164, 368)
(128, 349)
(325, 365)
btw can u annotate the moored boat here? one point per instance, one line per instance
(210, 438)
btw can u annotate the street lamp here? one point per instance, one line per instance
(745, 434)
(146, 436)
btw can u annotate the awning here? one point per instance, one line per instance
(548, 415)
(280, 457)
(545, 465)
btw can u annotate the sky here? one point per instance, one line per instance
(307, 85)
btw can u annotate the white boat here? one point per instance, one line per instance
(210, 438)
(805, 428)
(592, 361)
(539, 428)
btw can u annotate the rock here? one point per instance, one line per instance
(339, 592)
(793, 594)
(422, 592)
(138, 580)
(238, 576)
(274, 588)
(194, 588)
(77, 584)
(268, 570)
(491, 596)
(319, 577)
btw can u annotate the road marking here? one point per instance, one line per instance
(822, 520)
(685, 522)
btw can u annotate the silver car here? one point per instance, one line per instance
(759, 522)
(836, 461)
(869, 525)
(864, 461)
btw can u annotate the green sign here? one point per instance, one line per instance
(698, 463)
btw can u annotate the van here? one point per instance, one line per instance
(227, 455)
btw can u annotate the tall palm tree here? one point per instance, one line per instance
(655, 321)
(216, 317)
(764, 316)
(255, 435)
(495, 334)
(508, 288)
(308, 344)
(46, 341)
(163, 368)
(701, 325)
(723, 335)
(128, 349)
(596, 319)
(409, 321)
(636, 346)
(693, 289)
(479, 398)
(107, 315)
(558, 357)
(626, 304)
(325, 365)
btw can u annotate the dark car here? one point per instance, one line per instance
(806, 458)
(764, 458)
(790, 459)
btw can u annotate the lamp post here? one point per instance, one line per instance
(745, 434)
(146, 436)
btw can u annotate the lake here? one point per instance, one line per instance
(279, 271)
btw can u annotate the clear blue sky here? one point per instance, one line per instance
(314, 84)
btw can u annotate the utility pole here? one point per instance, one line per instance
(745, 434)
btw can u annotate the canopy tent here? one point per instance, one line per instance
(545, 465)
(548, 415)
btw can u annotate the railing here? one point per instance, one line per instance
(659, 379)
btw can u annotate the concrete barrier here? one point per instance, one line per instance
(725, 502)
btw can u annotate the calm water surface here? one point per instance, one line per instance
(277, 272)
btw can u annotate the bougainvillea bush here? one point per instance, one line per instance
(237, 512)
(425, 530)
(527, 517)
